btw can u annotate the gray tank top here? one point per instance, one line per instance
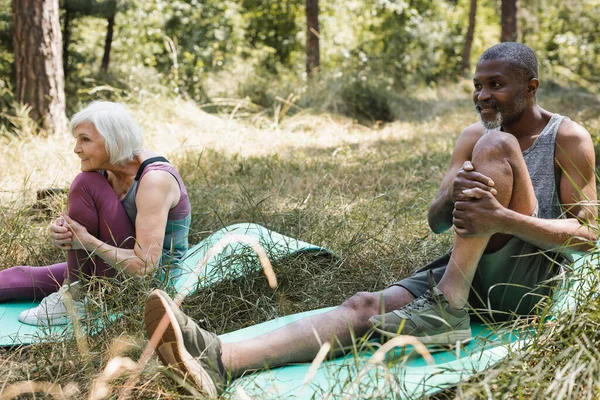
(504, 279)
(540, 164)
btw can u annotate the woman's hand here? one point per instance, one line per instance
(61, 235)
(80, 237)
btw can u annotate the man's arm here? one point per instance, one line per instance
(459, 177)
(576, 233)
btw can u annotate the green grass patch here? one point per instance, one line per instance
(360, 191)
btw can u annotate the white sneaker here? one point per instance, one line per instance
(52, 310)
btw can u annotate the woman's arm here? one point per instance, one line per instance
(157, 193)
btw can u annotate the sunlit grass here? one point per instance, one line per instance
(361, 191)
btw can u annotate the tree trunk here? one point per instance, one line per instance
(66, 40)
(466, 56)
(38, 58)
(509, 20)
(108, 43)
(312, 37)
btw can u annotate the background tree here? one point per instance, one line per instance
(73, 9)
(37, 43)
(312, 36)
(509, 20)
(111, 10)
(466, 56)
(215, 51)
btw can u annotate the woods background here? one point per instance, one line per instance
(331, 121)
(349, 57)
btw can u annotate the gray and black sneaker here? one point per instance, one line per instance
(192, 353)
(429, 318)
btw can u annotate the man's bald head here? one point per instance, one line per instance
(521, 58)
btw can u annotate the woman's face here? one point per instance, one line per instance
(90, 148)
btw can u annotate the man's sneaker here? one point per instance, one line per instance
(54, 309)
(429, 318)
(193, 353)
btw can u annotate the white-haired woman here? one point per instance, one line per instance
(128, 211)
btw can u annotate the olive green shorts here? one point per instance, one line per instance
(509, 282)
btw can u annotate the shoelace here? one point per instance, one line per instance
(420, 301)
(50, 301)
(425, 298)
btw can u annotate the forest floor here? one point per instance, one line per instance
(362, 191)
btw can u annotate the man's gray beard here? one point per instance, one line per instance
(492, 125)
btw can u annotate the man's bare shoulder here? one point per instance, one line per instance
(470, 135)
(572, 136)
(574, 146)
(475, 129)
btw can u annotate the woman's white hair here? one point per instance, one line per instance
(123, 137)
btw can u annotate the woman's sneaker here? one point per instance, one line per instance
(429, 318)
(55, 309)
(193, 353)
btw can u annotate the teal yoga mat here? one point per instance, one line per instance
(229, 255)
(201, 268)
(405, 373)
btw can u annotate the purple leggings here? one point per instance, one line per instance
(94, 204)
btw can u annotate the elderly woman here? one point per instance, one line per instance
(128, 211)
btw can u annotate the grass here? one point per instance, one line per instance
(361, 191)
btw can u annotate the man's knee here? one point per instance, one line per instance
(364, 305)
(496, 144)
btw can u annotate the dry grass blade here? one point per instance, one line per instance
(379, 356)
(162, 326)
(114, 368)
(146, 354)
(241, 394)
(401, 341)
(52, 389)
(120, 345)
(316, 363)
(79, 334)
(229, 238)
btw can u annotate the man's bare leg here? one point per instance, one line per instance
(301, 340)
(498, 156)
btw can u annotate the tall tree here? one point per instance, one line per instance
(74, 9)
(108, 41)
(66, 39)
(312, 36)
(37, 44)
(466, 55)
(509, 20)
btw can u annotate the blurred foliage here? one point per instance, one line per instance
(411, 41)
(7, 72)
(365, 101)
(98, 8)
(566, 34)
(6, 37)
(198, 37)
(210, 50)
(272, 23)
